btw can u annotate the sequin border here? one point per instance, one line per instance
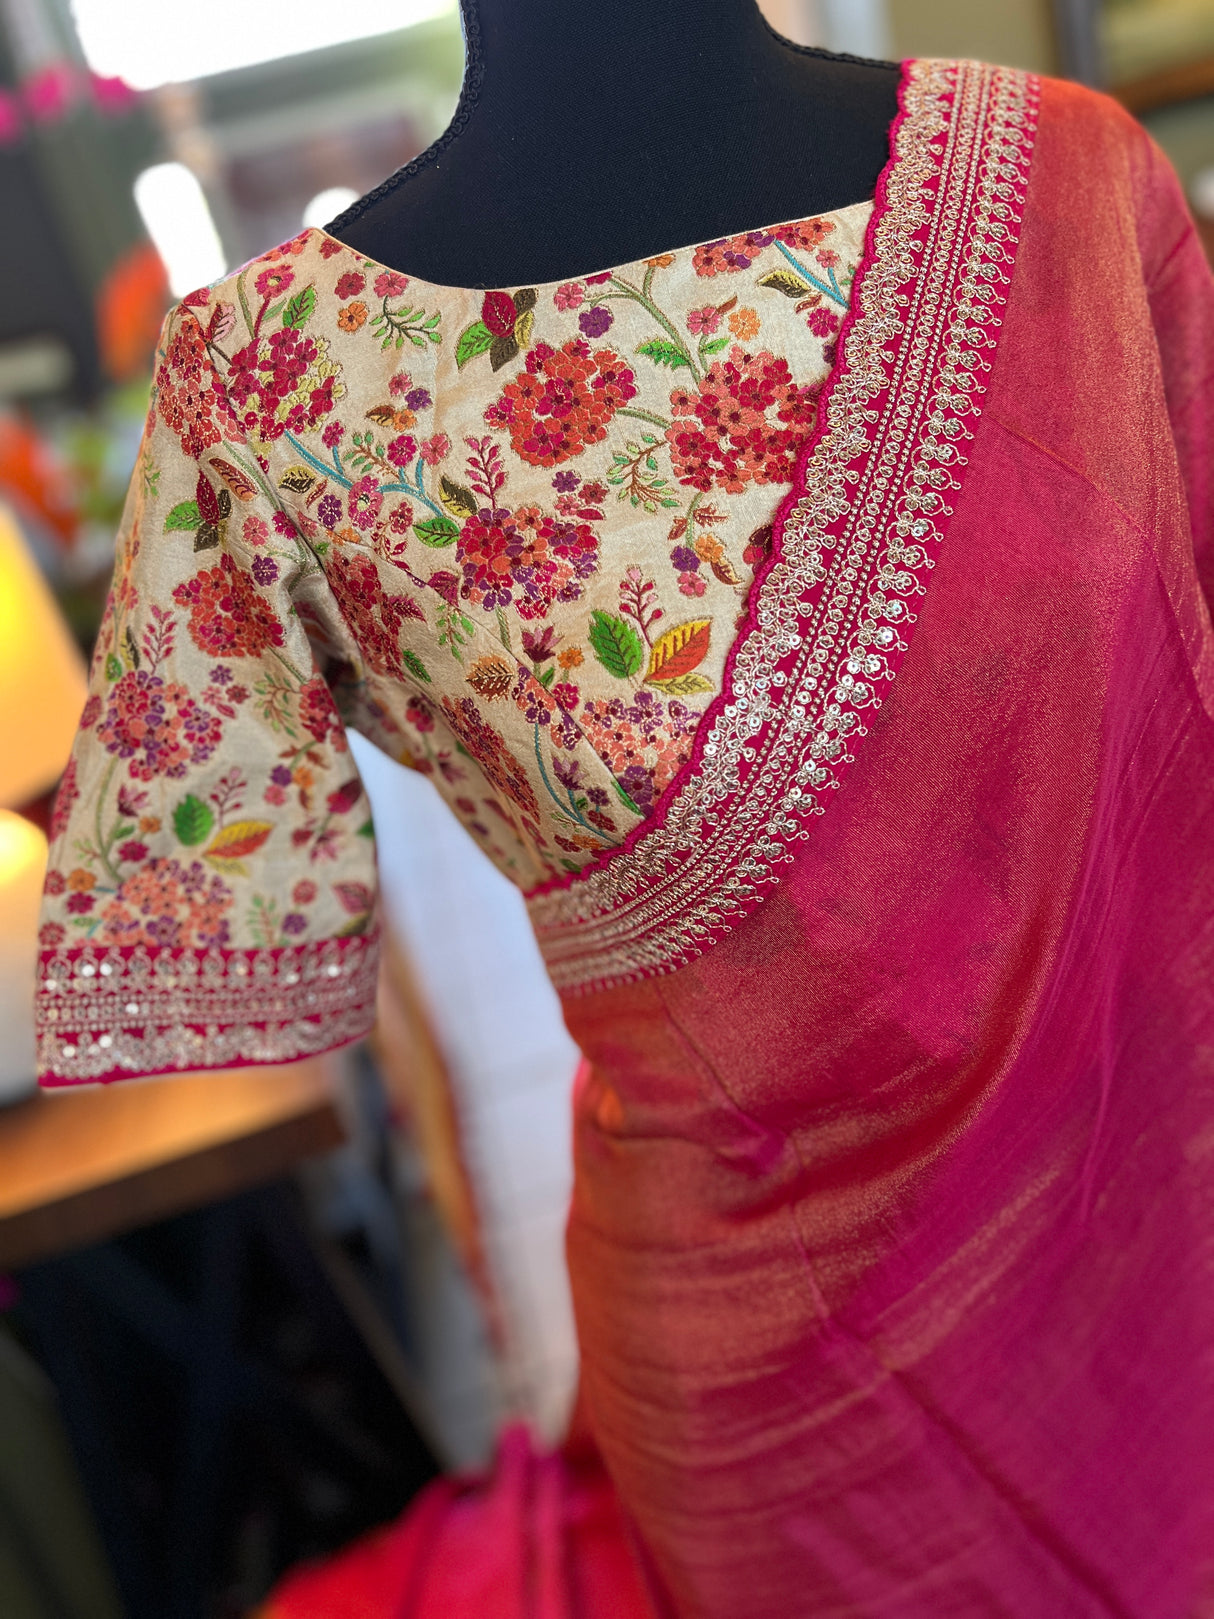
(111, 1013)
(831, 618)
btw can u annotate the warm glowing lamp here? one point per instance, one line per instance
(22, 867)
(42, 690)
(42, 680)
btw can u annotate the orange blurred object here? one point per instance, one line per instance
(33, 479)
(130, 308)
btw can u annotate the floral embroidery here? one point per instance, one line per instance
(189, 403)
(833, 615)
(228, 617)
(723, 434)
(562, 402)
(517, 563)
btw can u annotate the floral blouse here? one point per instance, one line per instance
(507, 535)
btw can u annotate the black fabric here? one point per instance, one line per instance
(591, 134)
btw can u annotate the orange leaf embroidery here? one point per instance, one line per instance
(680, 650)
(238, 840)
(241, 485)
(389, 416)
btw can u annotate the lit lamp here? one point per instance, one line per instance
(42, 690)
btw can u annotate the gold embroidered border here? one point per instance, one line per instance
(104, 1013)
(856, 545)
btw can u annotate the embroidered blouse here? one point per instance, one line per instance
(590, 555)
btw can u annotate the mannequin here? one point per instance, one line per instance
(589, 135)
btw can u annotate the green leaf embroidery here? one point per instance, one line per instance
(460, 502)
(299, 308)
(714, 345)
(366, 830)
(624, 798)
(547, 676)
(184, 516)
(193, 820)
(437, 531)
(663, 352)
(617, 645)
(113, 667)
(503, 629)
(792, 286)
(414, 664)
(473, 340)
(683, 685)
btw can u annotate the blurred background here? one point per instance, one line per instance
(245, 1318)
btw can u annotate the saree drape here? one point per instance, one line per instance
(892, 1241)
(891, 1245)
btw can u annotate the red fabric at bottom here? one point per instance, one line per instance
(541, 1537)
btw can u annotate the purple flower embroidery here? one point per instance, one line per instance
(594, 322)
(265, 570)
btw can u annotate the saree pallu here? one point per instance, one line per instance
(892, 1235)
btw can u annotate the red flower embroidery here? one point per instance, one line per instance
(166, 904)
(187, 396)
(67, 795)
(157, 726)
(318, 713)
(524, 557)
(283, 383)
(731, 253)
(229, 618)
(374, 615)
(563, 401)
(743, 425)
(488, 747)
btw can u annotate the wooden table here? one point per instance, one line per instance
(78, 1166)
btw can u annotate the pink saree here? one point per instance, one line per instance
(893, 1231)
(891, 1243)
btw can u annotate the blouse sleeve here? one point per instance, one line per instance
(211, 894)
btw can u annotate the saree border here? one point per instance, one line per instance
(105, 1014)
(831, 615)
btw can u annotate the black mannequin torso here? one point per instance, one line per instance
(589, 135)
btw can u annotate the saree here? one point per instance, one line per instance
(889, 942)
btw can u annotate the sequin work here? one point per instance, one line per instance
(834, 612)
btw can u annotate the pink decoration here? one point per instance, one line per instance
(10, 119)
(50, 92)
(112, 95)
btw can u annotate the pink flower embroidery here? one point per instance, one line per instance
(390, 284)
